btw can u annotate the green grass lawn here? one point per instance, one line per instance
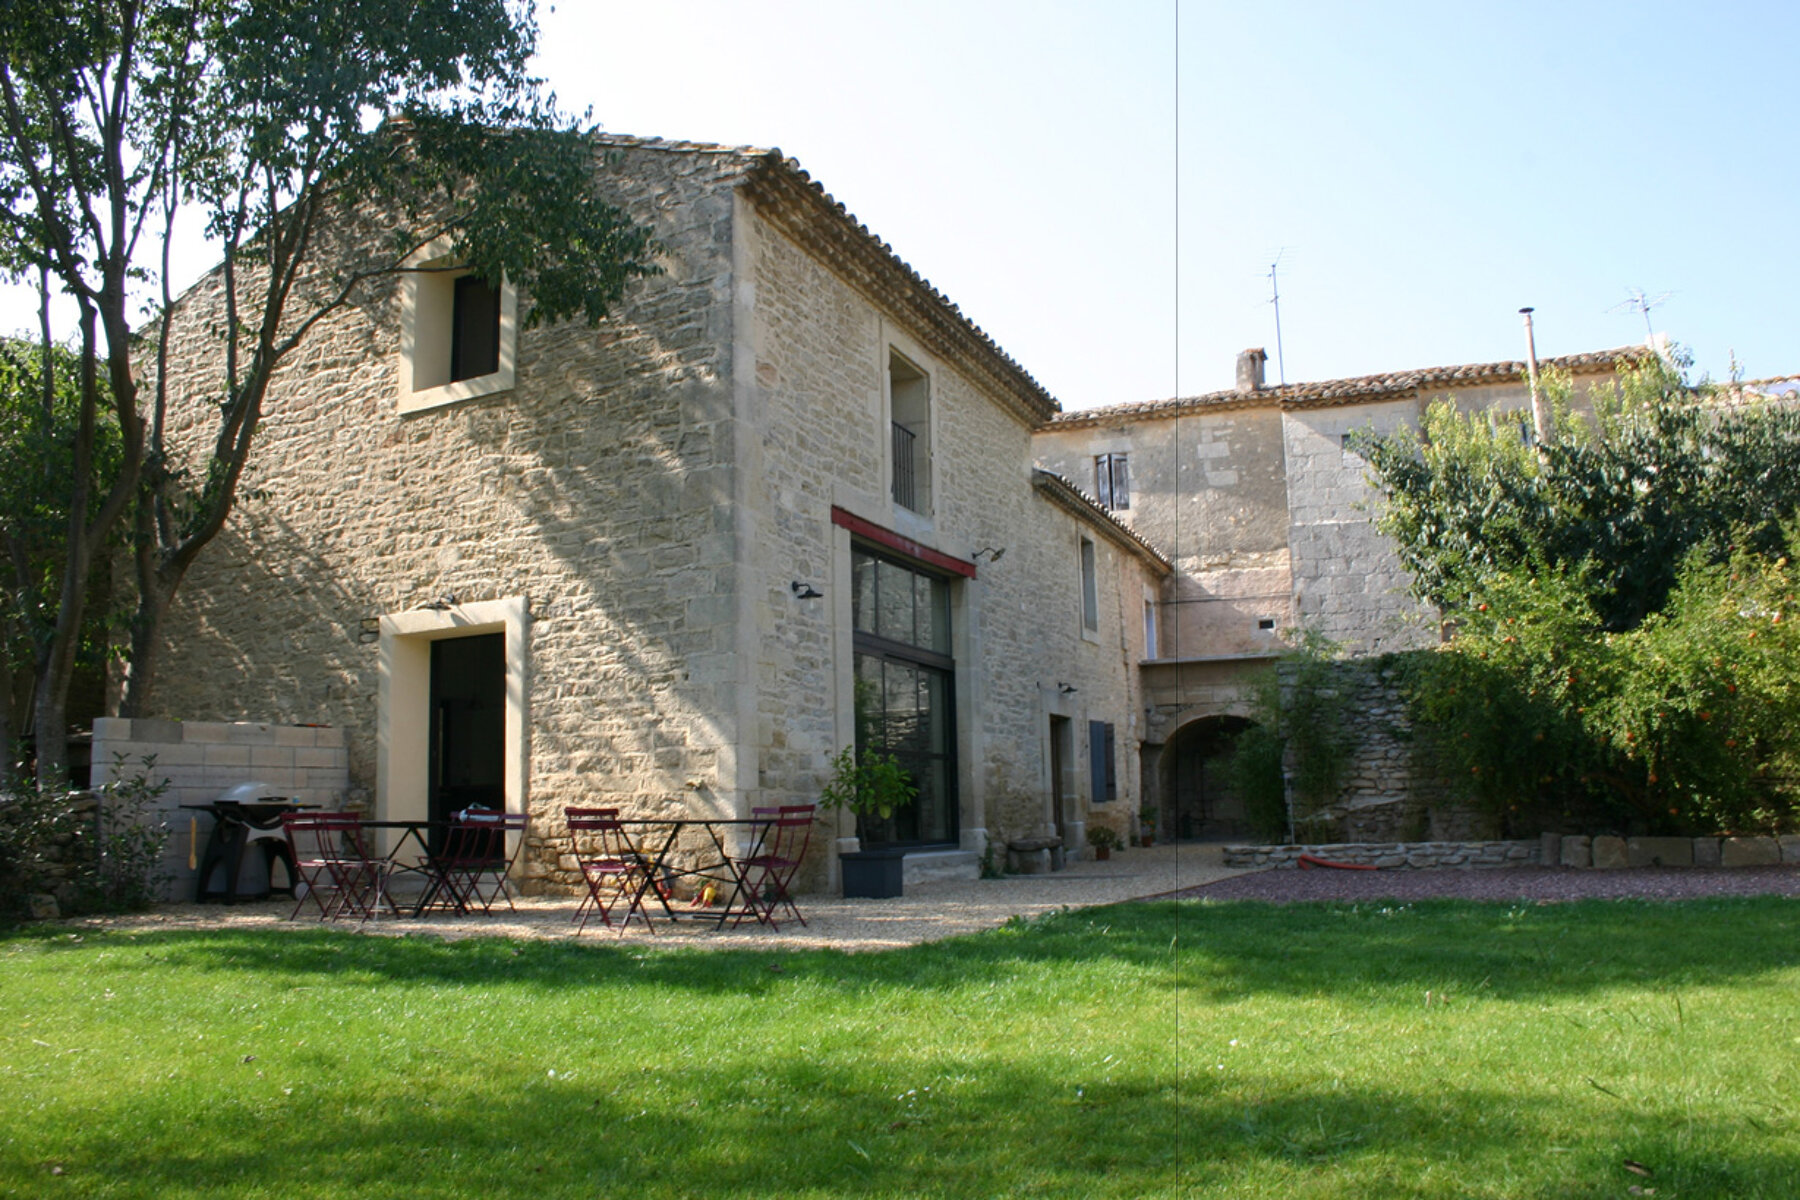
(1434, 1050)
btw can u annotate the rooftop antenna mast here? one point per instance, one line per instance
(1275, 299)
(1640, 303)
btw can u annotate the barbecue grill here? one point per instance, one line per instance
(245, 816)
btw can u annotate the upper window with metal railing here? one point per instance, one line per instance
(905, 494)
(909, 397)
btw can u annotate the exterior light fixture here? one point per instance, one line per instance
(992, 553)
(1067, 689)
(806, 591)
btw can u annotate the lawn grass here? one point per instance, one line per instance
(1432, 1050)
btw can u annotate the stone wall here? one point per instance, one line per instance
(199, 760)
(1348, 582)
(1611, 852)
(819, 352)
(1389, 855)
(600, 489)
(1209, 490)
(1600, 853)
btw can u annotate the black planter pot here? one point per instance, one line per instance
(873, 874)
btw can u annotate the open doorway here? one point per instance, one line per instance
(468, 724)
(1062, 754)
(1194, 773)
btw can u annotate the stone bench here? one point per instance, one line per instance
(1034, 856)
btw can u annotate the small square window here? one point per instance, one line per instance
(458, 334)
(1266, 623)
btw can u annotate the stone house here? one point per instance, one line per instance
(1267, 512)
(659, 564)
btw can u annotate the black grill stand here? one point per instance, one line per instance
(237, 827)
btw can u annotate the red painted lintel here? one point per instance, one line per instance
(900, 543)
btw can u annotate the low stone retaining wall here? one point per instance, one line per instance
(1414, 855)
(1601, 853)
(1612, 852)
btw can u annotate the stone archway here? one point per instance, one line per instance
(1198, 802)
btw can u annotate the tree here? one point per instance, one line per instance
(1619, 597)
(278, 124)
(37, 424)
(1621, 495)
(1684, 724)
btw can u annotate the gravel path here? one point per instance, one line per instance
(928, 911)
(1504, 883)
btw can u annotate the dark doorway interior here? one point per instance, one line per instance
(468, 724)
(1205, 806)
(1062, 750)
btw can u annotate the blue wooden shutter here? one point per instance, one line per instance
(1098, 740)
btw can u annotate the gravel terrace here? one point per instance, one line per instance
(932, 911)
(928, 911)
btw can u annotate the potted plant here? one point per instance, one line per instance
(871, 785)
(1103, 840)
(1147, 825)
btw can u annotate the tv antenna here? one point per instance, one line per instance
(1275, 299)
(1638, 302)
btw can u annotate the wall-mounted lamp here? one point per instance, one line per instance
(806, 591)
(1067, 689)
(444, 602)
(992, 553)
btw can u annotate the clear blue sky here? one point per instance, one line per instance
(1422, 169)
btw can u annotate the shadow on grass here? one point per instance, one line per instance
(996, 1129)
(1206, 950)
(1519, 951)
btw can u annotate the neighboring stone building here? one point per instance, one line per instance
(1269, 516)
(655, 564)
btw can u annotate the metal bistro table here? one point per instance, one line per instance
(658, 870)
(427, 866)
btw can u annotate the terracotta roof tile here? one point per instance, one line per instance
(782, 182)
(1079, 502)
(1327, 392)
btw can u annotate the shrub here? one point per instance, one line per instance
(93, 851)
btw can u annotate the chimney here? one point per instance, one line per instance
(1250, 370)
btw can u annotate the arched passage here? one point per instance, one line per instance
(1198, 794)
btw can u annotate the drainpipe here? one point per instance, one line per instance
(1540, 418)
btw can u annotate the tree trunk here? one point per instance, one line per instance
(156, 586)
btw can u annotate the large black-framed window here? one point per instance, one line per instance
(905, 692)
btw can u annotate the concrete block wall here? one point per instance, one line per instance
(199, 760)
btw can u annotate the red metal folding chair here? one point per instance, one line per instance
(611, 865)
(479, 849)
(333, 866)
(778, 847)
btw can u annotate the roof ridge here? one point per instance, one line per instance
(1046, 479)
(1352, 386)
(1033, 396)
